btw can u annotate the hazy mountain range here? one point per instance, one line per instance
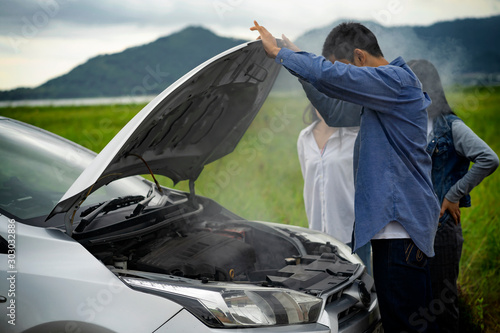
(460, 49)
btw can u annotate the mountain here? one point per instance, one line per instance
(460, 49)
(143, 70)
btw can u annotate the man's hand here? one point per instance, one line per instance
(268, 41)
(451, 207)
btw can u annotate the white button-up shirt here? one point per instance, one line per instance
(329, 181)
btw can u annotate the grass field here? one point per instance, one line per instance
(261, 179)
(480, 264)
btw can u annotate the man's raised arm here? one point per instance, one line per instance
(335, 112)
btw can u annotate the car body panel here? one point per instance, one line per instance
(55, 278)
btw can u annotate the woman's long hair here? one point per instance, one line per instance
(431, 83)
(309, 115)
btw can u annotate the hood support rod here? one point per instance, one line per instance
(150, 171)
(192, 195)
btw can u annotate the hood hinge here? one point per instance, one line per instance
(192, 194)
(68, 220)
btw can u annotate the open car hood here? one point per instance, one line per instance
(197, 120)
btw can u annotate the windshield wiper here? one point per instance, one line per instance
(105, 207)
(144, 203)
(140, 207)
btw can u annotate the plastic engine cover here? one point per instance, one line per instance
(202, 255)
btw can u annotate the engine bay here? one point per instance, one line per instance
(209, 243)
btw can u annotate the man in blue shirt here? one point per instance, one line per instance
(395, 205)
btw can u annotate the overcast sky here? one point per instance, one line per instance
(42, 39)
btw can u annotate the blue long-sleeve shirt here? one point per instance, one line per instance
(335, 112)
(393, 181)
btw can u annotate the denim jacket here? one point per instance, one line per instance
(447, 166)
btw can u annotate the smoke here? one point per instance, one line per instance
(447, 54)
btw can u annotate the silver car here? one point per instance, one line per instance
(87, 245)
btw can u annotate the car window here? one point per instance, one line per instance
(38, 167)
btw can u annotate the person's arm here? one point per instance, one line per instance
(469, 145)
(335, 112)
(377, 88)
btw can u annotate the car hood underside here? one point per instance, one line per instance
(197, 120)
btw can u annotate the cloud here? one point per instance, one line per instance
(19, 17)
(88, 28)
(17, 14)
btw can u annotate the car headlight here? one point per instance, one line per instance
(233, 306)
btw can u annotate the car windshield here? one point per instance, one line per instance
(38, 167)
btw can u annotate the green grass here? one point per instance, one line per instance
(261, 179)
(480, 265)
(90, 126)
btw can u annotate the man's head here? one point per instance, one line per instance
(351, 42)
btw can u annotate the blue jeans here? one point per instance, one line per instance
(402, 282)
(444, 273)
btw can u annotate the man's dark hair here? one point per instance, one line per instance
(346, 37)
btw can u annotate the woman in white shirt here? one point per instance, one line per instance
(326, 159)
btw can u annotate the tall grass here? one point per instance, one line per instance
(91, 126)
(480, 265)
(261, 179)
